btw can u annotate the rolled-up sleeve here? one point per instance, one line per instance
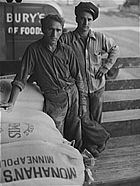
(76, 74)
(112, 49)
(27, 66)
(82, 92)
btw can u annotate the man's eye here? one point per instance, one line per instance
(89, 19)
(49, 30)
(58, 30)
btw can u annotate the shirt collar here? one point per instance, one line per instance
(59, 44)
(90, 35)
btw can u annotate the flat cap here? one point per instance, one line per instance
(88, 7)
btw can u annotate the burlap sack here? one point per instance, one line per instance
(42, 182)
(30, 97)
(24, 124)
(37, 159)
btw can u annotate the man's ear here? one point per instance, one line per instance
(41, 21)
(42, 28)
(65, 30)
(76, 19)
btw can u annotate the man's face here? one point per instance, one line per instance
(52, 32)
(84, 21)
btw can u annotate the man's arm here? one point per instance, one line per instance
(14, 94)
(112, 49)
(20, 80)
(12, 99)
(76, 74)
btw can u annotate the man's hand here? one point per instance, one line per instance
(82, 111)
(102, 71)
(7, 106)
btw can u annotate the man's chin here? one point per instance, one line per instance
(53, 42)
(85, 29)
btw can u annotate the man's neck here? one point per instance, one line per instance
(82, 33)
(52, 47)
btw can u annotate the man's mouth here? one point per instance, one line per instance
(85, 27)
(53, 38)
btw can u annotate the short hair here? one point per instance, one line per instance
(88, 7)
(47, 19)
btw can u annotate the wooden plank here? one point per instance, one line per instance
(122, 115)
(128, 73)
(121, 95)
(123, 73)
(125, 62)
(128, 62)
(119, 163)
(130, 141)
(122, 84)
(121, 105)
(133, 182)
(123, 128)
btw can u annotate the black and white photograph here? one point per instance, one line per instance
(69, 92)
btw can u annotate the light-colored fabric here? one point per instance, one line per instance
(25, 124)
(33, 151)
(38, 159)
(30, 97)
(42, 182)
(90, 56)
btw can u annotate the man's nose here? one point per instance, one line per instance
(54, 33)
(85, 22)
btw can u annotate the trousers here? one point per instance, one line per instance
(93, 133)
(63, 107)
(94, 105)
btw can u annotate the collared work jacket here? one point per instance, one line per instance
(53, 71)
(90, 54)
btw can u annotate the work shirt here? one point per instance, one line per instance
(53, 71)
(89, 55)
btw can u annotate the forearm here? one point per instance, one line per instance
(110, 46)
(112, 57)
(14, 94)
(82, 93)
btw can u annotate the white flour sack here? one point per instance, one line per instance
(57, 164)
(30, 97)
(42, 182)
(25, 124)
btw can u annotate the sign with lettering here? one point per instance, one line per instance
(37, 125)
(23, 20)
(38, 159)
(22, 24)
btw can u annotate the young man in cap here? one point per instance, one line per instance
(56, 71)
(89, 46)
